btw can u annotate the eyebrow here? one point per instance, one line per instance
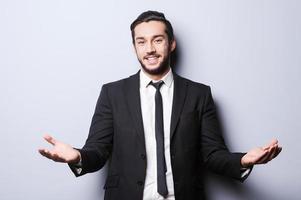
(155, 36)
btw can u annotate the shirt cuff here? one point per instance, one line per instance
(78, 167)
(244, 172)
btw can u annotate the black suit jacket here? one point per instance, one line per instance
(116, 133)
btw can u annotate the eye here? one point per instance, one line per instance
(140, 42)
(158, 41)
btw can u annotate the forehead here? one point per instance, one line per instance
(150, 29)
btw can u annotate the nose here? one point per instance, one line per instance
(150, 48)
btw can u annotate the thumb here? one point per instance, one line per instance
(50, 139)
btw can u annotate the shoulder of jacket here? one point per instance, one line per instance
(192, 83)
(118, 83)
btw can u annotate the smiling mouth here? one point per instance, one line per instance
(153, 59)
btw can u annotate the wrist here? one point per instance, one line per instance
(244, 163)
(77, 158)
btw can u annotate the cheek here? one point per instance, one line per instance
(165, 49)
(139, 52)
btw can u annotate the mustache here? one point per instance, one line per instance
(151, 55)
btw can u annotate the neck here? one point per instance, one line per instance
(157, 77)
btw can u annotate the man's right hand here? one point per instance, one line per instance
(60, 152)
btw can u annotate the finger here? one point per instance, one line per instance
(270, 144)
(275, 153)
(50, 139)
(263, 159)
(43, 151)
(57, 158)
(46, 153)
(50, 155)
(279, 150)
(270, 155)
(272, 152)
(260, 157)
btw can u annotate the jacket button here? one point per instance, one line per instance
(140, 183)
(172, 156)
(143, 156)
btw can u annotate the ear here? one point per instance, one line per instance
(173, 45)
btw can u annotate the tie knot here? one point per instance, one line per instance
(157, 85)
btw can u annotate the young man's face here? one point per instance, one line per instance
(152, 47)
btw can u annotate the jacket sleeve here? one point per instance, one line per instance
(216, 155)
(98, 146)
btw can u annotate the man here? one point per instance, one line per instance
(158, 130)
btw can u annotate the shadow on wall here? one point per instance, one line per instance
(217, 186)
(234, 188)
(212, 181)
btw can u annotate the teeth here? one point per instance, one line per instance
(152, 60)
(152, 57)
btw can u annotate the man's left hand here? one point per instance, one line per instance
(261, 155)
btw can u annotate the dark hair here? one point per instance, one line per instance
(153, 16)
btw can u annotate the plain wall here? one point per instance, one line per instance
(55, 55)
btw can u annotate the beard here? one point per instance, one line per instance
(161, 69)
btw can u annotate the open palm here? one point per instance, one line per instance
(60, 152)
(261, 155)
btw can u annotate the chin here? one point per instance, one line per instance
(152, 67)
(157, 69)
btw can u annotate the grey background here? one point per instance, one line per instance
(55, 55)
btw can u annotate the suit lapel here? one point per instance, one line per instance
(132, 92)
(180, 88)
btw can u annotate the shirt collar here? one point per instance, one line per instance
(145, 80)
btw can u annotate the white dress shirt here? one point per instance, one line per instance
(147, 96)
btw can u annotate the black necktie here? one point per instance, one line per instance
(161, 164)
